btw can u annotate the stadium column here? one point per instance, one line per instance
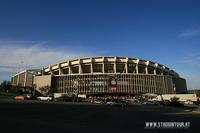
(115, 65)
(146, 67)
(154, 71)
(136, 67)
(126, 65)
(60, 69)
(103, 65)
(79, 67)
(162, 72)
(50, 70)
(69, 65)
(91, 66)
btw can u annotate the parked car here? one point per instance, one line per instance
(189, 102)
(98, 101)
(63, 98)
(150, 103)
(45, 98)
(116, 102)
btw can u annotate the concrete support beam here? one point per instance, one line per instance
(154, 71)
(69, 65)
(91, 66)
(162, 72)
(115, 65)
(103, 67)
(146, 70)
(60, 69)
(126, 65)
(136, 68)
(79, 67)
(50, 70)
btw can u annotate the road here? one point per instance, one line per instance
(52, 117)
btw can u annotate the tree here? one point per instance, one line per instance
(45, 89)
(6, 85)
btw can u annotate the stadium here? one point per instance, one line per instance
(107, 75)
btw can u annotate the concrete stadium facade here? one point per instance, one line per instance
(112, 74)
(24, 78)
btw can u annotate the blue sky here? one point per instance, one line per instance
(165, 31)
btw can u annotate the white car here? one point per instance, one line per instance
(98, 101)
(189, 102)
(45, 98)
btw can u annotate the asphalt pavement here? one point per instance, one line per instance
(68, 117)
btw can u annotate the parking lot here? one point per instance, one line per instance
(37, 116)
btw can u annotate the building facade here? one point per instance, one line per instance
(115, 83)
(24, 78)
(113, 74)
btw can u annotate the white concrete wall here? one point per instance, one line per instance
(41, 81)
(182, 97)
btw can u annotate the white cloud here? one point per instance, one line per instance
(30, 54)
(190, 32)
